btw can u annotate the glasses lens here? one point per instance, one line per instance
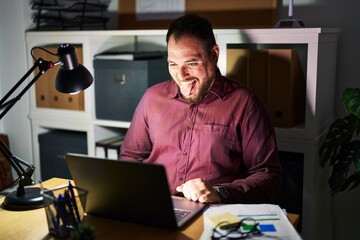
(248, 225)
(244, 229)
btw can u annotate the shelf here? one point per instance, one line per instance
(316, 43)
(318, 46)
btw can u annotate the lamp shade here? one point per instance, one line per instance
(72, 77)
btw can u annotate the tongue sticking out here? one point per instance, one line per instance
(186, 88)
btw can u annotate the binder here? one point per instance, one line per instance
(101, 147)
(286, 100)
(47, 80)
(237, 64)
(113, 149)
(277, 77)
(258, 72)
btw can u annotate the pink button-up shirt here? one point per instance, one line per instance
(226, 139)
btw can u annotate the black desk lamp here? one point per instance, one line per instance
(71, 78)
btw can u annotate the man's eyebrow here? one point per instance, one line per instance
(193, 60)
(187, 61)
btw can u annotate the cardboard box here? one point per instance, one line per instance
(222, 14)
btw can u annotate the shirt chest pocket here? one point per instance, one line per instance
(217, 136)
(215, 129)
(217, 144)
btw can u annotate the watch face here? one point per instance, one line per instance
(222, 193)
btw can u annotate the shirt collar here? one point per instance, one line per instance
(218, 86)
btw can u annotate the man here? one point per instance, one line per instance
(213, 135)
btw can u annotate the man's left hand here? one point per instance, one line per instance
(198, 190)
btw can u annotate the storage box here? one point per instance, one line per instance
(120, 84)
(222, 14)
(53, 147)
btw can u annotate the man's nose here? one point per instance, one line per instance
(183, 72)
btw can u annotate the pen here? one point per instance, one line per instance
(73, 200)
(70, 209)
(62, 210)
(49, 213)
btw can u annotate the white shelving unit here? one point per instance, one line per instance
(321, 47)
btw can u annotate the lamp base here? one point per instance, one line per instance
(32, 199)
(289, 23)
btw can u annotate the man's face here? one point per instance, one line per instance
(191, 67)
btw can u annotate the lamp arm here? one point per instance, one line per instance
(24, 175)
(8, 155)
(43, 66)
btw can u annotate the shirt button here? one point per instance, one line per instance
(184, 153)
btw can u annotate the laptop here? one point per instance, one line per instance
(130, 191)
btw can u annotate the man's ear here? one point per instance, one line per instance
(215, 53)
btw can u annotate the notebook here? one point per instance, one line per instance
(130, 191)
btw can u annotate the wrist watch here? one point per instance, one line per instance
(222, 193)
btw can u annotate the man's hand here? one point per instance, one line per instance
(199, 190)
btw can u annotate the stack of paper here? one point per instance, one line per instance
(273, 222)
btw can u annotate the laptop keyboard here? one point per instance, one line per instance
(180, 214)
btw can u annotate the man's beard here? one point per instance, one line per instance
(198, 97)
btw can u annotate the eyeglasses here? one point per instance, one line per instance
(246, 228)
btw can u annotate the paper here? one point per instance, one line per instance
(159, 9)
(223, 217)
(272, 220)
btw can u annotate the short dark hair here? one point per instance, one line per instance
(195, 26)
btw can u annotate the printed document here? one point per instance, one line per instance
(272, 220)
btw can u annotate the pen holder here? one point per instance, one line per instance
(64, 207)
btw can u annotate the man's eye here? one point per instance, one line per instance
(172, 65)
(192, 64)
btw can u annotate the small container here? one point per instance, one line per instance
(64, 207)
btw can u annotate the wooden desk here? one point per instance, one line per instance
(32, 225)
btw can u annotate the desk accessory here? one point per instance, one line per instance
(72, 78)
(64, 207)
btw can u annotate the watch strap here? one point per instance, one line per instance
(222, 193)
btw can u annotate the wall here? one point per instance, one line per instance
(314, 13)
(343, 15)
(335, 14)
(13, 20)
